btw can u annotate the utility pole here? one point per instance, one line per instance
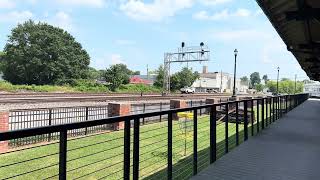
(295, 84)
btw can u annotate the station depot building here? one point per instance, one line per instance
(218, 82)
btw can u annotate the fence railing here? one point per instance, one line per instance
(172, 149)
(33, 118)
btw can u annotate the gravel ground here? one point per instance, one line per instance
(6, 107)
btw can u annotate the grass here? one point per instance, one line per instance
(85, 86)
(138, 88)
(101, 156)
(8, 87)
(96, 156)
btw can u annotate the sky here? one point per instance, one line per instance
(139, 32)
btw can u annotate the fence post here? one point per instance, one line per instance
(160, 110)
(262, 112)
(50, 123)
(87, 118)
(277, 107)
(144, 110)
(118, 109)
(63, 155)
(136, 146)
(200, 108)
(126, 154)
(268, 111)
(177, 104)
(274, 109)
(195, 142)
(245, 119)
(258, 113)
(226, 150)
(252, 118)
(286, 103)
(169, 146)
(237, 123)
(4, 126)
(213, 134)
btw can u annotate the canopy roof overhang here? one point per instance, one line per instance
(298, 24)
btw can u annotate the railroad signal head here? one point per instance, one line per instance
(202, 52)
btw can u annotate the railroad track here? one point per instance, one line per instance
(43, 98)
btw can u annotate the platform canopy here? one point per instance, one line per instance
(298, 24)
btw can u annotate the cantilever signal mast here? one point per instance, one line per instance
(184, 55)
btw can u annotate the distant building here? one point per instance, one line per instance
(143, 79)
(313, 88)
(218, 81)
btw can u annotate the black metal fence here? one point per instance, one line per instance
(33, 118)
(172, 149)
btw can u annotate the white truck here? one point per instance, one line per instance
(188, 90)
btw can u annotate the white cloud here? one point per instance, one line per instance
(106, 60)
(91, 3)
(272, 50)
(213, 2)
(222, 15)
(16, 16)
(158, 10)
(125, 42)
(62, 20)
(7, 4)
(117, 59)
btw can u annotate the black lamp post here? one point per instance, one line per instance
(235, 71)
(278, 81)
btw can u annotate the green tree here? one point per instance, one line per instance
(1, 61)
(265, 78)
(183, 78)
(38, 53)
(160, 76)
(135, 73)
(117, 75)
(255, 79)
(244, 80)
(259, 87)
(94, 74)
(285, 86)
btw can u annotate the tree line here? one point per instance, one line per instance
(285, 85)
(41, 54)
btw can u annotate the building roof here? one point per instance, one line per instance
(138, 80)
(298, 24)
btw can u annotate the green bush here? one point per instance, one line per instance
(78, 86)
(138, 88)
(6, 86)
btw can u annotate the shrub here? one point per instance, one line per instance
(138, 88)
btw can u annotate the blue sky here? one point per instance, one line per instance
(139, 32)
